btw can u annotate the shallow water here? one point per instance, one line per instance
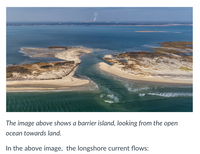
(112, 94)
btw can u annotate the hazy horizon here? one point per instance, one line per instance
(99, 14)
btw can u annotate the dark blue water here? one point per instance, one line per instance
(113, 94)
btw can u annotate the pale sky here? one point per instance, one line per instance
(88, 14)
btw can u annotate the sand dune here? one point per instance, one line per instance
(57, 84)
(125, 74)
(32, 79)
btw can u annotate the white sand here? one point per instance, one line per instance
(64, 83)
(118, 72)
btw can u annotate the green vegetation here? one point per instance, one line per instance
(64, 63)
(33, 70)
(46, 66)
(179, 44)
(9, 75)
(182, 68)
(17, 69)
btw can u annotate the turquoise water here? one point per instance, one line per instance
(112, 94)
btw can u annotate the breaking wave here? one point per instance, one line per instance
(131, 88)
(107, 101)
(141, 94)
(168, 94)
(113, 97)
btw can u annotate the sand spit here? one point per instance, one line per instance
(171, 63)
(46, 85)
(127, 75)
(47, 76)
(65, 53)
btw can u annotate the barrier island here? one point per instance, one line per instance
(47, 76)
(171, 62)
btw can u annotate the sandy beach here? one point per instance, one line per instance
(170, 63)
(118, 72)
(46, 85)
(47, 76)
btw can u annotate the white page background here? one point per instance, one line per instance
(174, 140)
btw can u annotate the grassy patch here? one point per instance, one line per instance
(9, 75)
(182, 68)
(17, 69)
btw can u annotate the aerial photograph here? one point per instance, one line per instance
(99, 59)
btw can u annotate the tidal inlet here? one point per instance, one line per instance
(99, 68)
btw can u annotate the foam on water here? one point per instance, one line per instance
(132, 88)
(96, 86)
(138, 89)
(185, 87)
(141, 94)
(169, 94)
(110, 95)
(107, 101)
(102, 95)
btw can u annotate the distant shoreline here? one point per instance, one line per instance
(98, 24)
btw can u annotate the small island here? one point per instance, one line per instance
(47, 75)
(172, 62)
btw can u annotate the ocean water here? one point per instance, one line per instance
(111, 93)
